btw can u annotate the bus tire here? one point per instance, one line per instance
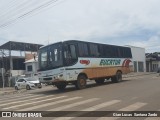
(99, 81)
(81, 82)
(61, 86)
(117, 78)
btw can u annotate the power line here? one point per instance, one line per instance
(10, 8)
(10, 4)
(37, 12)
(12, 12)
(40, 7)
(46, 4)
(11, 16)
(19, 9)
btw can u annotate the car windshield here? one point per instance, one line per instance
(50, 57)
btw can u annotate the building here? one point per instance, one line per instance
(17, 62)
(139, 59)
(18, 68)
(13, 65)
(152, 61)
(31, 67)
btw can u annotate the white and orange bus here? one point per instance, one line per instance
(75, 62)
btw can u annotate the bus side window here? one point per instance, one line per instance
(107, 51)
(70, 54)
(67, 52)
(94, 51)
(101, 51)
(73, 52)
(55, 55)
(83, 50)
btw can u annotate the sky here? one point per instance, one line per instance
(117, 22)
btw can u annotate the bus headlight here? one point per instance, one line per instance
(60, 76)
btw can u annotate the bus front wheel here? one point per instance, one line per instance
(81, 82)
(117, 78)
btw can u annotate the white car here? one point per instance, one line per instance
(27, 83)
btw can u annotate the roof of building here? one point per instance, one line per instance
(20, 46)
(134, 46)
(13, 57)
(153, 56)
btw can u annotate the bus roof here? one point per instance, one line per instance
(49, 44)
(76, 41)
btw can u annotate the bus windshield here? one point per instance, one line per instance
(50, 57)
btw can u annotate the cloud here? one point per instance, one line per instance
(152, 44)
(119, 22)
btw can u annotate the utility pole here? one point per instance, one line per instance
(3, 69)
(3, 78)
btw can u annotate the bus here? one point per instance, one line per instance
(76, 62)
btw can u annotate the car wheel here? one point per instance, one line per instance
(28, 87)
(16, 88)
(39, 86)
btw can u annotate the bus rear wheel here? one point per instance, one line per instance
(99, 81)
(81, 82)
(117, 78)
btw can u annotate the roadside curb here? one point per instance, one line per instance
(12, 92)
(133, 75)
